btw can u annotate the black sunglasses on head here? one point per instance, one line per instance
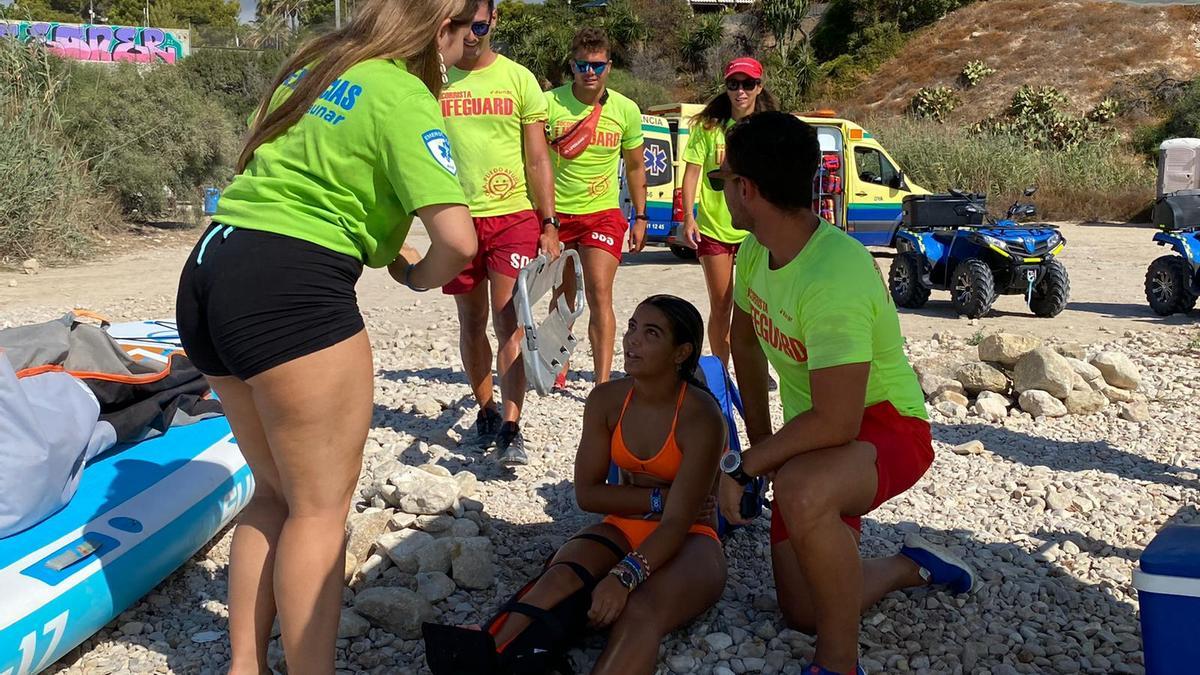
(745, 85)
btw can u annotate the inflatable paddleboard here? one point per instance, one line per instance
(140, 512)
(153, 340)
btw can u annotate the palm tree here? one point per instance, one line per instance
(270, 30)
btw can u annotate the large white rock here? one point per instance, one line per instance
(402, 547)
(1080, 402)
(396, 610)
(471, 563)
(1041, 404)
(362, 530)
(1046, 370)
(1007, 348)
(991, 406)
(1118, 370)
(977, 377)
(422, 493)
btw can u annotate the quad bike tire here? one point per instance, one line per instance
(1050, 296)
(972, 288)
(683, 252)
(904, 280)
(1169, 286)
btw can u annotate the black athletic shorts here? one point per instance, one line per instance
(249, 301)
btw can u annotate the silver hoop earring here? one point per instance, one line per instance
(442, 67)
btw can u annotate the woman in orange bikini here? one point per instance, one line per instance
(656, 551)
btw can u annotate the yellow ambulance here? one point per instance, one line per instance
(859, 187)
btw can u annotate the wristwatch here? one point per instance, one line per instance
(552, 220)
(642, 216)
(731, 464)
(624, 575)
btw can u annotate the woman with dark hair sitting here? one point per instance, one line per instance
(654, 562)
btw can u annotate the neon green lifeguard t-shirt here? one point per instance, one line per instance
(706, 148)
(486, 111)
(588, 183)
(827, 307)
(350, 174)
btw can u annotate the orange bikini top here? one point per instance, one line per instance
(665, 463)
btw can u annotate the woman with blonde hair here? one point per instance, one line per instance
(346, 150)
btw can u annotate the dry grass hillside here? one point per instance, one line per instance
(1088, 49)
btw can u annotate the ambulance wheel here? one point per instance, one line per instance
(683, 252)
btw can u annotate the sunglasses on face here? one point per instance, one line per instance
(481, 28)
(744, 85)
(718, 177)
(582, 67)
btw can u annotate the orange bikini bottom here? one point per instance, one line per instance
(636, 530)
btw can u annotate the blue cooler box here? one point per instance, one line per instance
(1168, 583)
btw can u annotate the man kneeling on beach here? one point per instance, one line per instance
(811, 301)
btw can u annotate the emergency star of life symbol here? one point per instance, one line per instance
(656, 160)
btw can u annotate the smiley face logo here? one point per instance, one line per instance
(499, 183)
(598, 186)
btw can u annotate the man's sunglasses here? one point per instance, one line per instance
(717, 178)
(481, 28)
(597, 67)
(744, 85)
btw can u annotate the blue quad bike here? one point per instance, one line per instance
(1173, 280)
(951, 242)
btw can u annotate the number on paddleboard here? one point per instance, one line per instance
(53, 628)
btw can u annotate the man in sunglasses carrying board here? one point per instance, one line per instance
(495, 115)
(591, 129)
(810, 300)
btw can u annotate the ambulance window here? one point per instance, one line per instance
(873, 167)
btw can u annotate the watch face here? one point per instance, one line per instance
(731, 461)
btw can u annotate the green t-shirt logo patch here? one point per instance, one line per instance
(438, 145)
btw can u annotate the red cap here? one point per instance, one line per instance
(744, 66)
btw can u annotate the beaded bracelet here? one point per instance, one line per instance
(641, 559)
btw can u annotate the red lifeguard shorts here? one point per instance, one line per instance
(903, 453)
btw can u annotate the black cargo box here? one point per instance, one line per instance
(939, 211)
(1178, 210)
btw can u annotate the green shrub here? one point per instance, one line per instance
(1095, 180)
(49, 205)
(237, 79)
(143, 130)
(935, 103)
(1182, 121)
(974, 72)
(1035, 117)
(1104, 111)
(643, 92)
(792, 82)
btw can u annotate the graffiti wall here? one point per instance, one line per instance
(110, 44)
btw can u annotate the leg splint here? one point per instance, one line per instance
(547, 346)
